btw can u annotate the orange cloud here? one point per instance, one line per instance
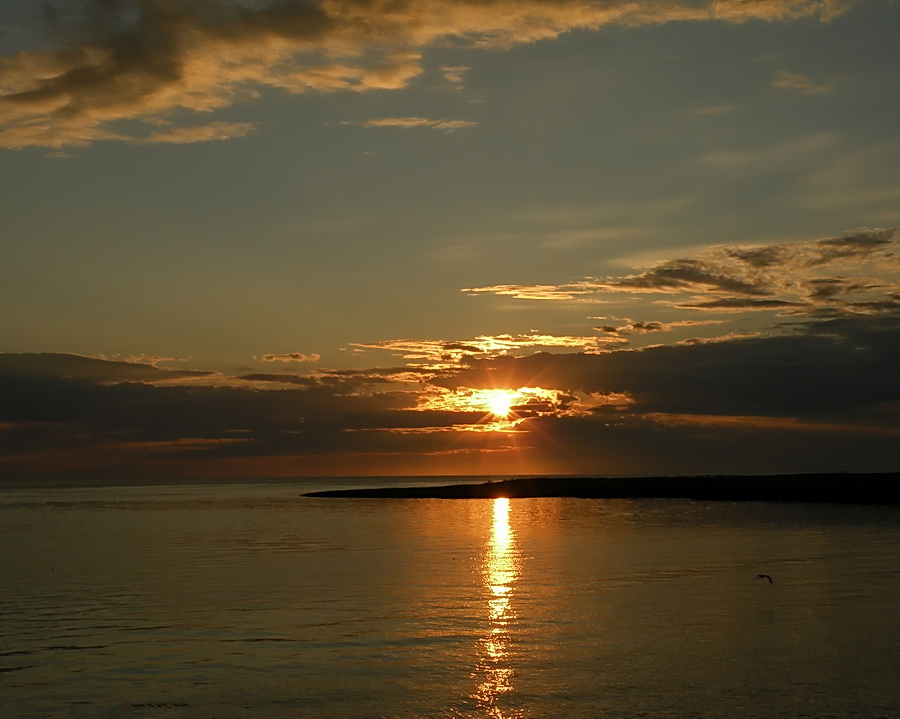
(146, 61)
(418, 122)
(201, 133)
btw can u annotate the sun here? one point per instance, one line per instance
(500, 401)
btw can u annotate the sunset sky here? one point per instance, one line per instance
(374, 237)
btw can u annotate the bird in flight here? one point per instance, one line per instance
(763, 576)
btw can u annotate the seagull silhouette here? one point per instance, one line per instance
(763, 576)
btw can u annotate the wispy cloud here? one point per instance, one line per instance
(291, 357)
(139, 368)
(200, 133)
(795, 277)
(455, 74)
(857, 178)
(784, 154)
(407, 122)
(787, 80)
(146, 61)
(715, 110)
(449, 353)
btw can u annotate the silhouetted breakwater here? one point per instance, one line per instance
(843, 488)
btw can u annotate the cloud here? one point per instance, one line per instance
(765, 423)
(569, 292)
(819, 390)
(800, 278)
(407, 122)
(143, 359)
(106, 420)
(285, 378)
(823, 392)
(690, 275)
(455, 74)
(349, 382)
(862, 243)
(859, 179)
(438, 354)
(200, 133)
(147, 61)
(399, 122)
(841, 369)
(291, 357)
(633, 327)
(715, 110)
(787, 154)
(787, 80)
(100, 370)
(741, 304)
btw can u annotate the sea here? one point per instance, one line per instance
(245, 600)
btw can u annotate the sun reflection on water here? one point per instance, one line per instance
(500, 570)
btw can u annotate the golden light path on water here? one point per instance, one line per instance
(500, 570)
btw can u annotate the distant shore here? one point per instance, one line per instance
(836, 488)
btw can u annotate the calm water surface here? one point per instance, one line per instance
(248, 601)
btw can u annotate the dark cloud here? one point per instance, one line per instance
(346, 384)
(689, 275)
(741, 303)
(291, 357)
(52, 414)
(720, 405)
(667, 445)
(380, 373)
(633, 327)
(94, 369)
(758, 256)
(860, 243)
(642, 327)
(461, 347)
(841, 369)
(280, 378)
(830, 287)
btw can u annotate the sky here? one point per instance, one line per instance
(440, 237)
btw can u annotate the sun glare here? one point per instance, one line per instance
(498, 410)
(500, 401)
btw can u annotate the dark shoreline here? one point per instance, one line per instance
(836, 488)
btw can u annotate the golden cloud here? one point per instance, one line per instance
(418, 122)
(437, 354)
(201, 133)
(144, 61)
(798, 278)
